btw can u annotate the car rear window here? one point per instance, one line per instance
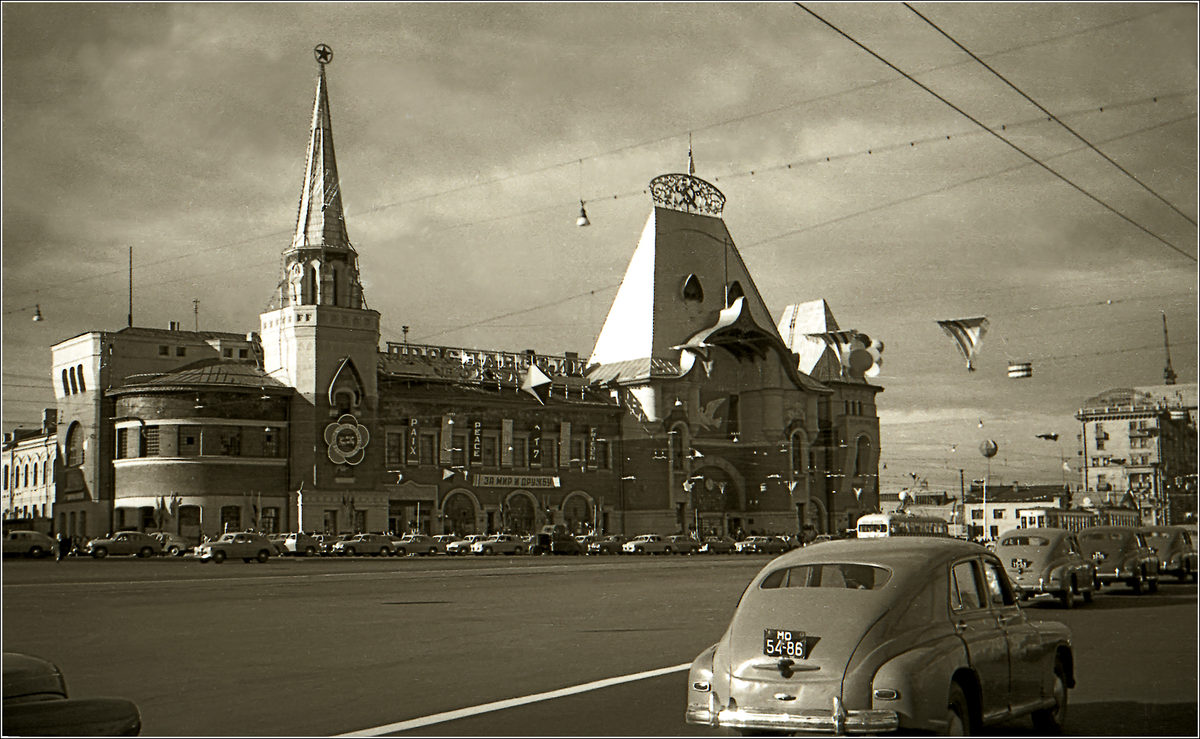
(1102, 536)
(828, 575)
(1025, 541)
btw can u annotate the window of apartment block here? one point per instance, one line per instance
(272, 442)
(189, 441)
(428, 443)
(150, 441)
(164, 351)
(549, 451)
(976, 514)
(122, 443)
(578, 457)
(520, 446)
(998, 513)
(602, 458)
(491, 446)
(268, 521)
(458, 452)
(394, 448)
(228, 353)
(243, 353)
(228, 441)
(181, 351)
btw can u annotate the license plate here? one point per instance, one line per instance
(1098, 556)
(783, 643)
(1020, 564)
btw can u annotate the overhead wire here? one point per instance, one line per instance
(1053, 117)
(995, 134)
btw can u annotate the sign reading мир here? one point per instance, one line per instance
(517, 481)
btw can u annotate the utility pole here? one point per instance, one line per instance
(196, 312)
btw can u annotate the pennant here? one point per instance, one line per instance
(1066, 466)
(1048, 437)
(858, 494)
(534, 379)
(792, 486)
(447, 474)
(968, 332)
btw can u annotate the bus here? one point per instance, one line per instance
(880, 525)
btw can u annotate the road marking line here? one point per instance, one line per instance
(438, 718)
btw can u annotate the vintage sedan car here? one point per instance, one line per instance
(681, 544)
(328, 540)
(610, 544)
(1175, 549)
(1047, 561)
(647, 544)
(418, 544)
(173, 544)
(761, 545)
(1121, 554)
(300, 545)
(36, 703)
(445, 540)
(125, 542)
(28, 544)
(912, 634)
(499, 544)
(463, 545)
(359, 545)
(718, 545)
(246, 545)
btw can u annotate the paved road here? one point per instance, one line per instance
(323, 647)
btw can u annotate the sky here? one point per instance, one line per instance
(1033, 163)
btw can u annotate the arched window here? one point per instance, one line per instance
(74, 386)
(79, 376)
(66, 387)
(25, 477)
(692, 290)
(797, 453)
(862, 459)
(337, 283)
(74, 448)
(35, 471)
(310, 297)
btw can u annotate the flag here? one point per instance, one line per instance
(1020, 369)
(447, 474)
(968, 332)
(1066, 466)
(534, 379)
(1048, 437)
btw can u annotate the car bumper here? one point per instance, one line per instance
(818, 721)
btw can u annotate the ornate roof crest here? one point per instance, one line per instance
(687, 194)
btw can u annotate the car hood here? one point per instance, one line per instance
(834, 622)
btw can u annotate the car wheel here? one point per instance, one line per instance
(1139, 583)
(35, 552)
(958, 713)
(174, 551)
(1088, 595)
(518, 550)
(1153, 584)
(145, 552)
(310, 551)
(263, 556)
(1051, 720)
(488, 550)
(401, 552)
(1067, 597)
(99, 552)
(218, 556)
(384, 552)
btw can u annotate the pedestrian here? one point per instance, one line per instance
(64, 546)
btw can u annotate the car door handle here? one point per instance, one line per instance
(960, 627)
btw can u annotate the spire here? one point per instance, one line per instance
(321, 221)
(691, 162)
(321, 267)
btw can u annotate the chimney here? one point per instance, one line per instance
(173, 326)
(49, 420)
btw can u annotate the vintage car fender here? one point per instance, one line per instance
(921, 680)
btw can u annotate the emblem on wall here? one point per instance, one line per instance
(347, 438)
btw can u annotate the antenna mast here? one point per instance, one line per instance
(1168, 373)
